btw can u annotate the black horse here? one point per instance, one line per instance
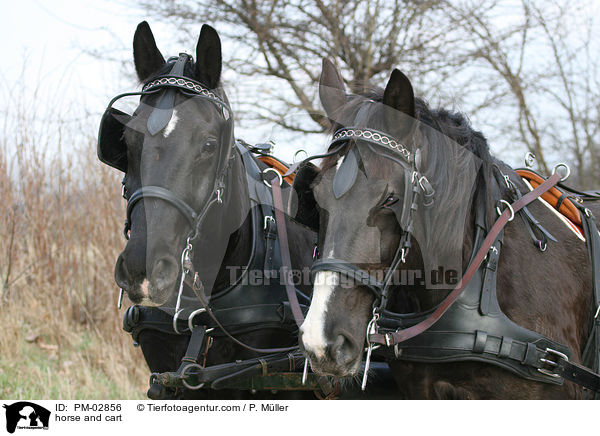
(417, 188)
(199, 220)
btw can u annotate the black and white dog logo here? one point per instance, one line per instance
(26, 415)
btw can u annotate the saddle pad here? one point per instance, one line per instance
(278, 165)
(550, 202)
(567, 208)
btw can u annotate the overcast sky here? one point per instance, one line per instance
(48, 60)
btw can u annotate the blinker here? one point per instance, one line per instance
(346, 174)
(162, 113)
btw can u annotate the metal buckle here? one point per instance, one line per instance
(268, 219)
(551, 363)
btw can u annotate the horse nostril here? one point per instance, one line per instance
(343, 349)
(121, 274)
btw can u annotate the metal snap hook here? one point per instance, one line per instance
(175, 316)
(191, 317)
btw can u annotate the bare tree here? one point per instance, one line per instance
(286, 40)
(525, 70)
(540, 59)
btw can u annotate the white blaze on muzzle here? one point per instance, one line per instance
(313, 328)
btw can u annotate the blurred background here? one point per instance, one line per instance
(525, 72)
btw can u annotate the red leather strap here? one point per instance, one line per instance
(402, 335)
(285, 252)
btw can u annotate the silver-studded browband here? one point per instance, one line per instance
(374, 136)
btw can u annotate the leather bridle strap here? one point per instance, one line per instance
(352, 272)
(394, 338)
(285, 252)
(162, 194)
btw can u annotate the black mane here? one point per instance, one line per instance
(445, 166)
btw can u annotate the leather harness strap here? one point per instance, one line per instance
(285, 253)
(507, 215)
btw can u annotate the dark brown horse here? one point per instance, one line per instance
(543, 289)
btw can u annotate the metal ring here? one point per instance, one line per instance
(564, 166)
(294, 160)
(273, 170)
(185, 383)
(512, 211)
(191, 318)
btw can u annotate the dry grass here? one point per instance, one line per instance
(60, 233)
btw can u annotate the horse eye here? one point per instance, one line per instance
(209, 146)
(390, 200)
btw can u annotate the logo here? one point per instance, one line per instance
(26, 415)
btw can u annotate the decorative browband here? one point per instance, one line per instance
(180, 82)
(374, 136)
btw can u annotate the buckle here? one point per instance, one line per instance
(551, 363)
(269, 220)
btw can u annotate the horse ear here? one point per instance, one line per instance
(208, 57)
(399, 94)
(332, 91)
(306, 211)
(146, 55)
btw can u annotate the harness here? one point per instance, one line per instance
(468, 325)
(242, 307)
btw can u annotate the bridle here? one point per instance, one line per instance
(158, 119)
(418, 191)
(416, 186)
